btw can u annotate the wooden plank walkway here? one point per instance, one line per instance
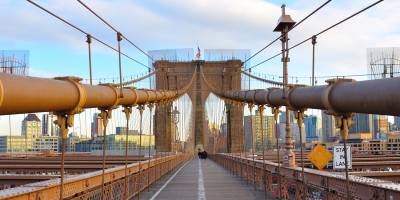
(202, 180)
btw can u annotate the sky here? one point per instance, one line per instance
(58, 50)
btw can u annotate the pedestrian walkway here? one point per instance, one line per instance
(202, 180)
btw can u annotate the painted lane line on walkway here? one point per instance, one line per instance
(200, 188)
(168, 181)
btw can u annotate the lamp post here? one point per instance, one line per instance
(175, 119)
(285, 23)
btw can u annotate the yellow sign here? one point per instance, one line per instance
(320, 157)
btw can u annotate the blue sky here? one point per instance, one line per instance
(56, 49)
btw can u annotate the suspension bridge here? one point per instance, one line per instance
(176, 108)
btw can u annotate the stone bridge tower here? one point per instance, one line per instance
(222, 75)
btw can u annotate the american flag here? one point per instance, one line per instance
(198, 53)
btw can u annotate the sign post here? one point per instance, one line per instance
(338, 156)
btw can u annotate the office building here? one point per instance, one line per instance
(121, 130)
(311, 127)
(329, 130)
(97, 126)
(252, 131)
(31, 126)
(362, 123)
(49, 128)
(381, 126)
(43, 143)
(282, 117)
(13, 144)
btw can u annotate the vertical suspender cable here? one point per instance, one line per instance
(300, 118)
(276, 115)
(141, 109)
(119, 38)
(261, 111)
(9, 127)
(128, 111)
(253, 146)
(150, 141)
(89, 41)
(62, 169)
(104, 116)
(313, 42)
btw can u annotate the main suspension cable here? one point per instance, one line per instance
(114, 29)
(84, 32)
(319, 33)
(276, 39)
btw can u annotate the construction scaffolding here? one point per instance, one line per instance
(383, 62)
(14, 62)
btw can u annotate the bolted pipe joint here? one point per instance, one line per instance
(327, 93)
(82, 96)
(288, 99)
(117, 95)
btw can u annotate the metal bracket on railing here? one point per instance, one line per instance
(344, 122)
(128, 111)
(105, 115)
(299, 116)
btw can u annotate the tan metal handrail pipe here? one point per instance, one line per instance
(21, 94)
(379, 96)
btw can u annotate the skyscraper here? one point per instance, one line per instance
(310, 123)
(48, 126)
(252, 131)
(397, 122)
(362, 123)
(381, 126)
(31, 126)
(97, 126)
(282, 117)
(328, 127)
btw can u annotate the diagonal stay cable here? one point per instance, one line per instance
(84, 32)
(114, 29)
(297, 24)
(319, 33)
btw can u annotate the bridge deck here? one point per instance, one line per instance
(202, 179)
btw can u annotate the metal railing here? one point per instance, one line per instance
(88, 186)
(319, 184)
